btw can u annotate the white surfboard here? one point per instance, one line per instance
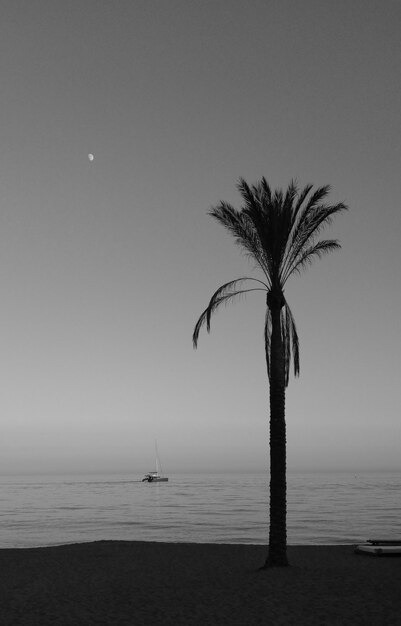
(384, 542)
(379, 550)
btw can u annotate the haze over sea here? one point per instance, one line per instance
(323, 508)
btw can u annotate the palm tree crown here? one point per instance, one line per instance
(279, 232)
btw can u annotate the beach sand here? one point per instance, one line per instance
(146, 583)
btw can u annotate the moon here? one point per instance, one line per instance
(90, 157)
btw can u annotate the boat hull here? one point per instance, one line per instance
(157, 479)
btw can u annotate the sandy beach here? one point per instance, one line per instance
(114, 582)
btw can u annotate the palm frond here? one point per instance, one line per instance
(268, 338)
(290, 340)
(285, 210)
(290, 196)
(248, 194)
(306, 258)
(309, 225)
(285, 335)
(316, 198)
(302, 211)
(293, 337)
(227, 291)
(242, 228)
(300, 197)
(224, 294)
(258, 211)
(253, 206)
(266, 192)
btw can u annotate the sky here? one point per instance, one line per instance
(105, 265)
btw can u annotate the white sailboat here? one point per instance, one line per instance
(157, 476)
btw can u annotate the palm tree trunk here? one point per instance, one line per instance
(277, 555)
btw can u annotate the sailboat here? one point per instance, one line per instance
(157, 476)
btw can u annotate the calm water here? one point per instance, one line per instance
(230, 508)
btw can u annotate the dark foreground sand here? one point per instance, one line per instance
(118, 582)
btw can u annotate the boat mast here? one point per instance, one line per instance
(158, 466)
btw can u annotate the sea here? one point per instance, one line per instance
(323, 508)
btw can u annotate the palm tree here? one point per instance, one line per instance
(279, 232)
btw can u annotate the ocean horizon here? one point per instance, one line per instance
(324, 508)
